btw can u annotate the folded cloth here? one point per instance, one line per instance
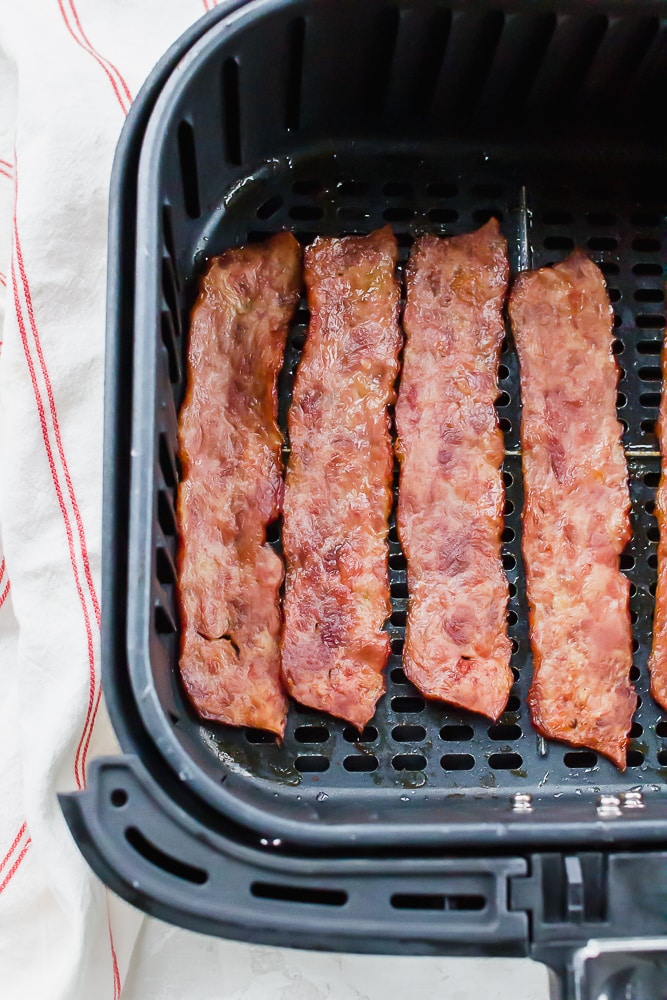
(69, 70)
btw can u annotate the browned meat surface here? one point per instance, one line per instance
(229, 578)
(575, 519)
(451, 496)
(338, 488)
(658, 660)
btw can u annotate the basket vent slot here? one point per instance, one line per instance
(299, 894)
(160, 859)
(188, 161)
(438, 901)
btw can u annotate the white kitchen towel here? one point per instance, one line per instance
(69, 70)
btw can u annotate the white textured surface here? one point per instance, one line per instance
(226, 969)
(64, 65)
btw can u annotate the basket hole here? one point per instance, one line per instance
(398, 618)
(505, 761)
(580, 759)
(662, 757)
(352, 735)
(409, 762)
(457, 732)
(443, 215)
(168, 333)
(513, 704)
(409, 734)
(311, 734)
(119, 798)
(436, 901)
(652, 560)
(650, 321)
(312, 762)
(397, 560)
(165, 513)
(621, 400)
(259, 736)
(164, 623)
(559, 243)
(515, 671)
(504, 399)
(167, 464)
(644, 217)
(360, 762)
(232, 111)
(614, 294)
(512, 590)
(457, 762)
(503, 731)
(441, 189)
(651, 479)
(299, 894)
(397, 189)
(188, 164)
(635, 673)
(505, 346)
(398, 676)
(270, 207)
(397, 645)
(505, 425)
(555, 217)
(651, 399)
(164, 567)
(649, 373)
(512, 618)
(407, 704)
(503, 372)
(636, 731)
(305, 213)
(627, 561)
(399, 589)
(508, 478)
(661, 729)
(634, 758)
(348, 213)
(509, 534)
(398, 214)
(646, 269)
(646, 244)
(353, 189)
(509, 507)
(608, 268)
(653, 532)
(618, 346)
(650, 295)
(509, 561)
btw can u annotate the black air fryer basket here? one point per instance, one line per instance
(432, 831)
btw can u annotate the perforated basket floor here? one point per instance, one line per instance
(410, 743)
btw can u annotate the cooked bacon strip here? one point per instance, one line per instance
(451, 496)
(657, 663)
(575, 518)
(229, 578)
(338, 488)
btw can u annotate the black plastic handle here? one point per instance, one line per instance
(162, 860)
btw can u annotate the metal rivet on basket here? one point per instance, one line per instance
(633, 800)
(609, 806)
(522, 802)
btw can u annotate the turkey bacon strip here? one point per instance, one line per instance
(232, 487)
(338, 486)
(451, 494)
(657, 663)
(576, 510)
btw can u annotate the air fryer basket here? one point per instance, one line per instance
(331, 117)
